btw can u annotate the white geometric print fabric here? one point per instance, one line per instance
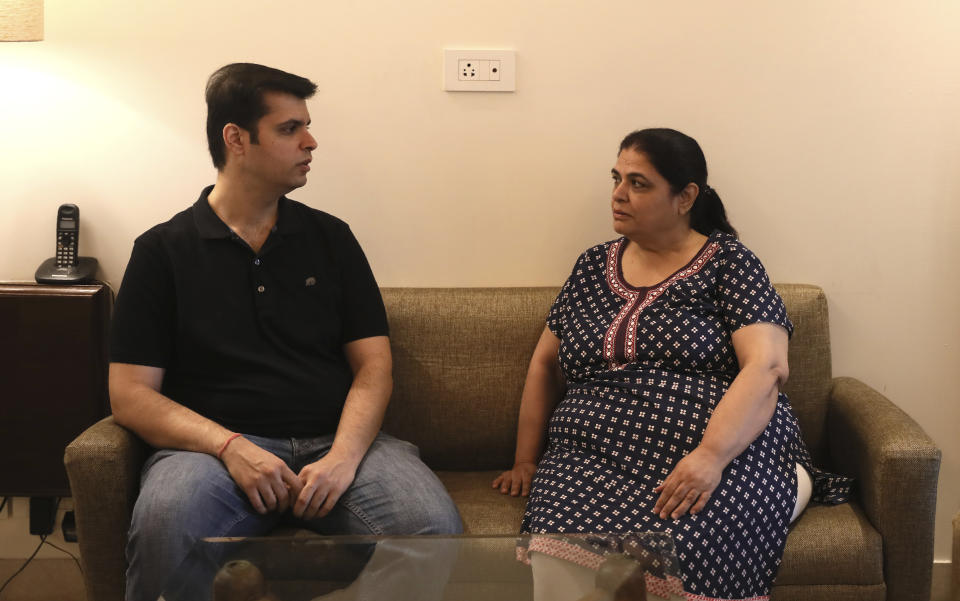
(645, 368)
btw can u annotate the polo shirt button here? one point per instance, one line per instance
(260, 288)
(256, 261)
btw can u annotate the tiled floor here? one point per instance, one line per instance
(42, 580)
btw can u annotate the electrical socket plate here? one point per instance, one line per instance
(467, 70)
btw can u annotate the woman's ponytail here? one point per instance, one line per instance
(708, 214)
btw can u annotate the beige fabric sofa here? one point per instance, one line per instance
(460, 358)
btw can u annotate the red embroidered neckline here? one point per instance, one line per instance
(630, 313)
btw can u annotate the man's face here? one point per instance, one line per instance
(281, 158)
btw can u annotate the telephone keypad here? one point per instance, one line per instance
(66, 249)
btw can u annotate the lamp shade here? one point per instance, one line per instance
(21, 20)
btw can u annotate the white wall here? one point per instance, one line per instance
(832, 132)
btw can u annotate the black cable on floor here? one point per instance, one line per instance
(75, 559)
(4, 503)
(43, 539)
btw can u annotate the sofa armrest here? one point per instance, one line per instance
(103, 465)
(896, 466)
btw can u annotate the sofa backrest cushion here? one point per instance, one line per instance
(811, 378)
(460, 358)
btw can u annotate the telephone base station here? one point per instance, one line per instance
(50, 273)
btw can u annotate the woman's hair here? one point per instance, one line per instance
(678, 158)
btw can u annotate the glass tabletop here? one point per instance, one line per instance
(538, 567)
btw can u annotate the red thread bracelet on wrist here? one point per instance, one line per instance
(228, 441)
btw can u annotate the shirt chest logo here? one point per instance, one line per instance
(310, 281)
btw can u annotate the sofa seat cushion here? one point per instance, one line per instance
(832, 544)
(483, 509)
(827, 545)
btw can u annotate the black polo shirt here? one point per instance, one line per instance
(251, 340)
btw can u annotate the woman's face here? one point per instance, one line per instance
(643, 203)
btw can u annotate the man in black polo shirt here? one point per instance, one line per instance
(250, 348)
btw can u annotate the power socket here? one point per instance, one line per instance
(471, 69)
(43, 514)
(479, 70)
(467, 69)
(68, 527)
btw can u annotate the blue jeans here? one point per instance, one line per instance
(185, 496)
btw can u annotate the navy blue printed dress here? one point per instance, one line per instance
(645, 367)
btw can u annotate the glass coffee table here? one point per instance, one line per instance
(600, 567)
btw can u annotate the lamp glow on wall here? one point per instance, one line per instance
(21, 20)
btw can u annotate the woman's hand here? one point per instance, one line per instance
(689, 485)
(516, 481)
(542, 390)
(740, 416)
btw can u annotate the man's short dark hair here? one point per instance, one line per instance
(235, 95)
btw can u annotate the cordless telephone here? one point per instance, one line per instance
(68, 235)
(66, 266)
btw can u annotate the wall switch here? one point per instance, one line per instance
(479, 70)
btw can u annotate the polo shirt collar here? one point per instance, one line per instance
(211, 226)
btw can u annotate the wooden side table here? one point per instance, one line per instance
(53, 379)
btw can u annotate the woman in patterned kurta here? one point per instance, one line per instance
(627, 378)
